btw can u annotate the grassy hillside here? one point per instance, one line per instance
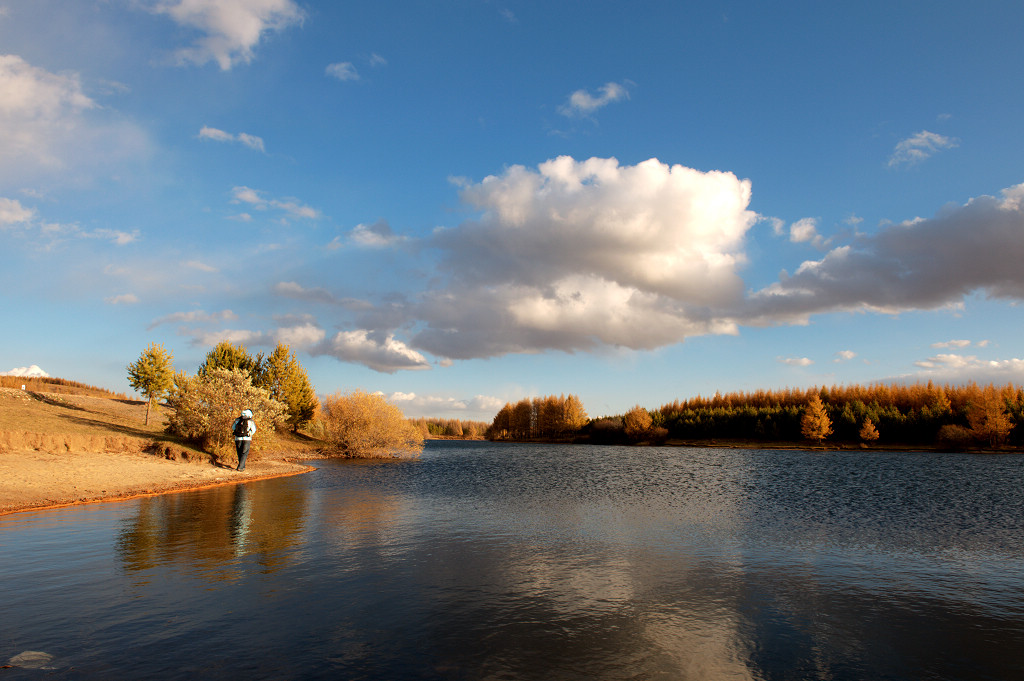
(62, 416)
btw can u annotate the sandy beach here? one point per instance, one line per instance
(60, 449)
(34, 479)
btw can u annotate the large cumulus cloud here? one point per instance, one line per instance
(577, 254)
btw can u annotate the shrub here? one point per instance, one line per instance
(364, 425)
(206, 405)
(955, 438)
(637, 422)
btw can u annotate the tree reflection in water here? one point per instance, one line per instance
(215, 533)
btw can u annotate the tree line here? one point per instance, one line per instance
(451, 428)
(914, 414)
(539, 418)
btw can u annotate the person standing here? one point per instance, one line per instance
(243, 429)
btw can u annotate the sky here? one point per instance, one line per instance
(462, 203)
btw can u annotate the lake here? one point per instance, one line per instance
(509, 561)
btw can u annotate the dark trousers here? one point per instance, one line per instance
(242, 450)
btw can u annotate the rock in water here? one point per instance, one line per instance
(31, 659)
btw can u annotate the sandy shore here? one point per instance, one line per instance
(32, 479)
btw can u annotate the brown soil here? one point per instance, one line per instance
(59, 449)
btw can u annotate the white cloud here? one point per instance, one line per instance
(796, 361)
(13, 213)
(803, 230)
(377, 235)
(379, 352)
(845, 355)
(291, 207)
(230, 29)
(953, 344)
(193, 317)
(251, 141)
(49, 125)
(197, 265)
(300, 335)
(582, 103)
(918, 264)
(958, 369)
(477, 408)
(919, 147)
(123, 299)
(577, 254)
(342, 71)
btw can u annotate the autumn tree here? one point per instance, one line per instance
(573, 414)
(205, 405)
(988, 418)
(868, 432)
(637, 422)
(815, 423)
(226, 355)
(288, 383)
(364, 425)
(152, 374)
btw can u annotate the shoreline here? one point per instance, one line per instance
(38, 481)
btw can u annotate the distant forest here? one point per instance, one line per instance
(916, 415)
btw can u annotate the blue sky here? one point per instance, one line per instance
(465, 202)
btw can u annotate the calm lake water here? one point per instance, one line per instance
(484, 561)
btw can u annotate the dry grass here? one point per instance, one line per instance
(62, 423)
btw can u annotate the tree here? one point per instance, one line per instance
(988, 417)
(574, 415)
(206, 405)
(364, 425)
(287, 382)
(637, 422)
(152, 374)
(815, 423)
(226, 355)
(868, 432)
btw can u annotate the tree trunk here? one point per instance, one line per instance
(149, 405)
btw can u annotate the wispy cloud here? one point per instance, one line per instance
(919, 147)
(377, 235)
(229, 29)
(478, 407)
(919, 264)
(193, 317)
(343, 71)
(123, 299)
(13, 213)
(251, 141)
(582, 103)
(844, 356)
(49, 125)
(955, 368)
(291, 207)
(795, 361)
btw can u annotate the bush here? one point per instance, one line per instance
(954, 438)
(361, 425)
(206, 405)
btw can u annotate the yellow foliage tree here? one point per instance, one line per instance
(868, 432)
(364, 425)
(988, 418)
(815, 424)
(637, 422)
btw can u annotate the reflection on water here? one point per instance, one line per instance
(484, 561)
(207, 533)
